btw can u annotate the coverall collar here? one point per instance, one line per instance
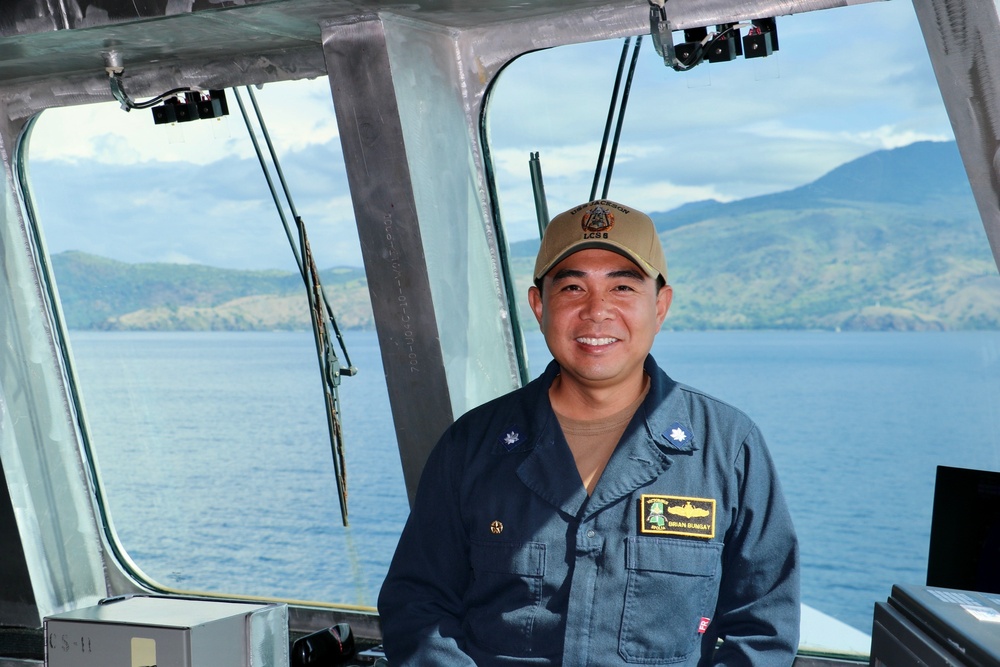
(640, 457)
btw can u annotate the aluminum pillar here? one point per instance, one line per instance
(386, 215)
(963, 40)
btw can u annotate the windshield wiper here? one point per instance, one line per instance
(323, 320)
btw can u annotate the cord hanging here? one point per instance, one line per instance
(118, 90)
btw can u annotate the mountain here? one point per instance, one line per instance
(100, 293)
(890, 241)
(920, 174)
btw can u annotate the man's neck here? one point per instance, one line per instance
(585, 402)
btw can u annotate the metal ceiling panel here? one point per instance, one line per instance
(40, 38)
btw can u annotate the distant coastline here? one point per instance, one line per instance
(139, 298)
(891, 241)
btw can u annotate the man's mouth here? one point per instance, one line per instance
(596, 341)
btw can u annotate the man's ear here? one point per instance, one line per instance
(535, 301)
(664, 297)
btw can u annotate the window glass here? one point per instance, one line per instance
(192, 349)
(831, 274)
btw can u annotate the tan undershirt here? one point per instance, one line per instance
(593, 440)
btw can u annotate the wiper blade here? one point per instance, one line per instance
(320, 312)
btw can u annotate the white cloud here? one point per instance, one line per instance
(568, 178)
(842, 145)
(846, 82)
(888, 137)
(664, 195)
(301, 115)
(231, 210)
(298, 114)
(336, 210)
(884, 136)
(565, 162)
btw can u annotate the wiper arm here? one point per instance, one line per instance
(320, 311)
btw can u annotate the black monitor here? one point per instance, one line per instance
(965, 531)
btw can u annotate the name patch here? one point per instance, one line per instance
(677, 515)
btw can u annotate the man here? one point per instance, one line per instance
(603, 514)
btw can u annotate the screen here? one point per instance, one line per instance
(965, 531)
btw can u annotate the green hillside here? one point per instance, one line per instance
(891, 241)
(838, 267)
(99, 293)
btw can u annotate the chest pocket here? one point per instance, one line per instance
(505, 596)
(672, 584)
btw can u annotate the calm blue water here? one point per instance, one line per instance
(214, 454)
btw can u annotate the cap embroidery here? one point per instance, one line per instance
(598, 219)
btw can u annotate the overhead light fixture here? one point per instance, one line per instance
(762, 39)
(722, 45)
(178, 105)
(190, 106)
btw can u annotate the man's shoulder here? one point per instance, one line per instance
(696, 396)
(516, 399)
(674, 399)
(505, 424)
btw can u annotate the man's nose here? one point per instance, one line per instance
(596, 307)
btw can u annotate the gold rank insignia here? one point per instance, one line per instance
(677, 515)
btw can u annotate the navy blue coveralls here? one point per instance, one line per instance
(686, 540)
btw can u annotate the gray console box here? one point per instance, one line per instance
(160, 631)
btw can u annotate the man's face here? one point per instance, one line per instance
(599, 313)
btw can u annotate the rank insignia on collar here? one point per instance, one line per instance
(678, 435)
(511, 437)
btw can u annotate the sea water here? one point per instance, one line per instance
(217, 468)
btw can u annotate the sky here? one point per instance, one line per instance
(845, 82)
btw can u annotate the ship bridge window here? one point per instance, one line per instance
(193, 354)
(830, 270)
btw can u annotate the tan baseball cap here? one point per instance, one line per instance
(602, 224)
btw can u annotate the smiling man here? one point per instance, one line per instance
(603, 514)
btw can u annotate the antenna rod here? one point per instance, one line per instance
(538, 189)
(611, 115)
(621, 118)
